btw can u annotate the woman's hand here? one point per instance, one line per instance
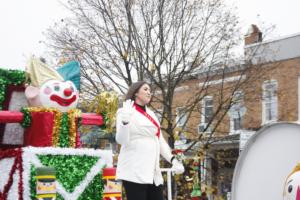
(177, 167)
(127, 111)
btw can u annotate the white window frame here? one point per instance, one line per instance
(207, 98)
(239, 108)
(273, 100)
(181, 117)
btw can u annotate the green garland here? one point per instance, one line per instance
(70, 171)
(26, 118)
(9, 77)
(64, 131)
(32, 182)
(94, 190)
(2, 92)
(106, 121)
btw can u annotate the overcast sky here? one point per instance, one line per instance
(24, 21)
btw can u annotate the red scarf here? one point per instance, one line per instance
(140, 110)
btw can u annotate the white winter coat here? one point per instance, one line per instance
(138, 160)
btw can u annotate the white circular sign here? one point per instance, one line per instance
(265, 163)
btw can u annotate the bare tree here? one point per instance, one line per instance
(165, 42)
(169, 44)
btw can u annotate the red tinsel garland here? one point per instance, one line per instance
(10, 179)
(17, 166)
(20, 186)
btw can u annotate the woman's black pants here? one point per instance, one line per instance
(137, 191)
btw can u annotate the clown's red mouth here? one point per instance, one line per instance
(62, 101)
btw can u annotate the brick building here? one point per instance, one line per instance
(270, 94)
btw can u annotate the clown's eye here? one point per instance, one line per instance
(72, 88)
(290, 188)
(56, 88)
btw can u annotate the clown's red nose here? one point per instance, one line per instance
(67, 92)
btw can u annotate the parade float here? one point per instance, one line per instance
(268, 166)
(39, 138)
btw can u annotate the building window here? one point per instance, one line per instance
(236, 112)
(207, 110)
(269, 101)
(181, 117)
(237, 123)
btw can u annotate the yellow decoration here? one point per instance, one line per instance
(109, 177)
(106, 104)
(39, 72)
(45, 177)
(46, 196)
(112, 195)
(296, 169)
(72, 115)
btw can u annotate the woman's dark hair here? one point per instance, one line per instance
(133, 89)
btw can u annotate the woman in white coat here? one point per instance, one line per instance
(138, 132)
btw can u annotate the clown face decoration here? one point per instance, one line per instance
(51, 88)
(292, 186)
(62, 95)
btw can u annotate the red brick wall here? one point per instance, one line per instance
(285, 72)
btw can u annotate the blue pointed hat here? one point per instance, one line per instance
(71, 72)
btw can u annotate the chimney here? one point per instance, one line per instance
(253, 35)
